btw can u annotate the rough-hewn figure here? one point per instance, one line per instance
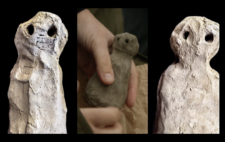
(36, 96)
(188, 91)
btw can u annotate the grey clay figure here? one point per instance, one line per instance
(125, 46)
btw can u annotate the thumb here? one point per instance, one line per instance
(103, 62)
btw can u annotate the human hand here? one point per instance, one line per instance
(93, 53)
(102, 120)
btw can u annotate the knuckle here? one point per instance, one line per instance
(90, 42)
(106, 61)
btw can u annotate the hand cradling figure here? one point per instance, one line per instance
(125, 46)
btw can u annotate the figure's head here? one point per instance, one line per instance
(45, 31)
(195, 36)
(127, 43)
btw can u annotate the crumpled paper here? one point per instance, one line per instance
(134, 120)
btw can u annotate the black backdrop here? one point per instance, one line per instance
(161, 24)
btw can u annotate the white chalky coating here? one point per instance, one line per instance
(188, 91)
(36, 95)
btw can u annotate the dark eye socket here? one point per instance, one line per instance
(126, 40)
(30, 29)
(186, 34)
(209, 38)
(52, 31)
(118, 38)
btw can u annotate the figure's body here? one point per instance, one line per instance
(35, 93)
(125, 46)
(188, 91)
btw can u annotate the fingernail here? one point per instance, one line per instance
(108, 77)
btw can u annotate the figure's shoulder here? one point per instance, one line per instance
(167, 72)
(170, 70)
(214, 73)
(166, 77)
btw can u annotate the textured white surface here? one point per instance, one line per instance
(36, 96)
(188, 91)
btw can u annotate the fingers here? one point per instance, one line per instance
(99, 117)
(115, 129)
(133, 85)
(103, 61)
(96, 39)
(103, 120)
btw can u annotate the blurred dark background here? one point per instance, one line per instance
(136, 23)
